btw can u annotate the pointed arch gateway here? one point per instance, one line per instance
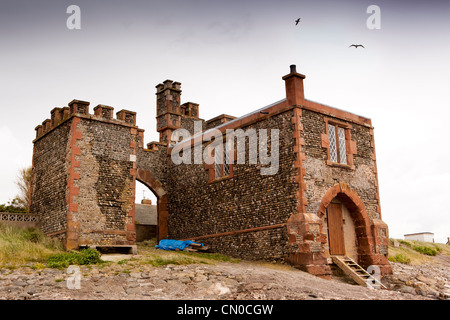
(367, 231)
(146, 177)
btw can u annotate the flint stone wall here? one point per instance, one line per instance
(247, 200)
(50, 173)
(105, 184)
(320, 177)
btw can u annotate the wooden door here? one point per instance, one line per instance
(335, 229)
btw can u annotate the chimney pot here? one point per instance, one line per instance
(294, 87)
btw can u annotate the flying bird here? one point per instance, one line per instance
(297, 21)
(356, 45)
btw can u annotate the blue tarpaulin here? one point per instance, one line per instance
(169, 244)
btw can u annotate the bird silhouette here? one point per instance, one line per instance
(356, 45)
(297, 21)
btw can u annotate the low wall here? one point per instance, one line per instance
(145, 232)
(20, 220)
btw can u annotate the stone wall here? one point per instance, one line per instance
(247, 201)
(105, 182)
(320, 177)
(154, 160)
(50, 175)
(84, 171)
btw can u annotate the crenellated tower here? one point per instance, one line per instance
(84, 174)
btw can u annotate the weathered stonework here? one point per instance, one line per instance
(244, 202)
(85, 168)
(50, 174)
(94, 160)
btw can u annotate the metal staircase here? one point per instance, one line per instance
(356, 272)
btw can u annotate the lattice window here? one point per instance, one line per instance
(338, 148)
(333, 145)
(342, 147)
(217, 165)
(222, 163)
(226, 164)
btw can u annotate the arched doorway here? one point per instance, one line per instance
(145, 213)
(347, 224)
(340, 229)
(146, 178)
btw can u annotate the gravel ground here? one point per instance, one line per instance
(222, 281)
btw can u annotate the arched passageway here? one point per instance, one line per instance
(146, 178)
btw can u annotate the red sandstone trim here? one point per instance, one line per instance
(151, 182)
(117, 232)
(163, 215)
(362, 223)
(280, 108)
(341, 114)
(211, 167)
(231, 233)
(350, 145)
(73, 227)
(56, 233)
(235, 124)
(40, 132)
(147, 178)
(374, 159)
(300, 156)
(130, 227)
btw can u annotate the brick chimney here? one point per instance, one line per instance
(294, 87)
(168, 109)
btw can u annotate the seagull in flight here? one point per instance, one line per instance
(297, 21)
(356, 45)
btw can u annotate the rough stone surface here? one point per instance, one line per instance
(50, 166)
(248, 200)
(231, 281)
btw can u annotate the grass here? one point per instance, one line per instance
(25, 245)
(416, 252)
(19, 246)
(30, 246)
(83, 257)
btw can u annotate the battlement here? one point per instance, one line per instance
(81, 109)
(168, 84)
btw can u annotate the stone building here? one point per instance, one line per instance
(317, 198)
(420, 236)
(145, 220)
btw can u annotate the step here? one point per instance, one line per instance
(356, 272)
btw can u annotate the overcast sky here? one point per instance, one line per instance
(230, 57)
